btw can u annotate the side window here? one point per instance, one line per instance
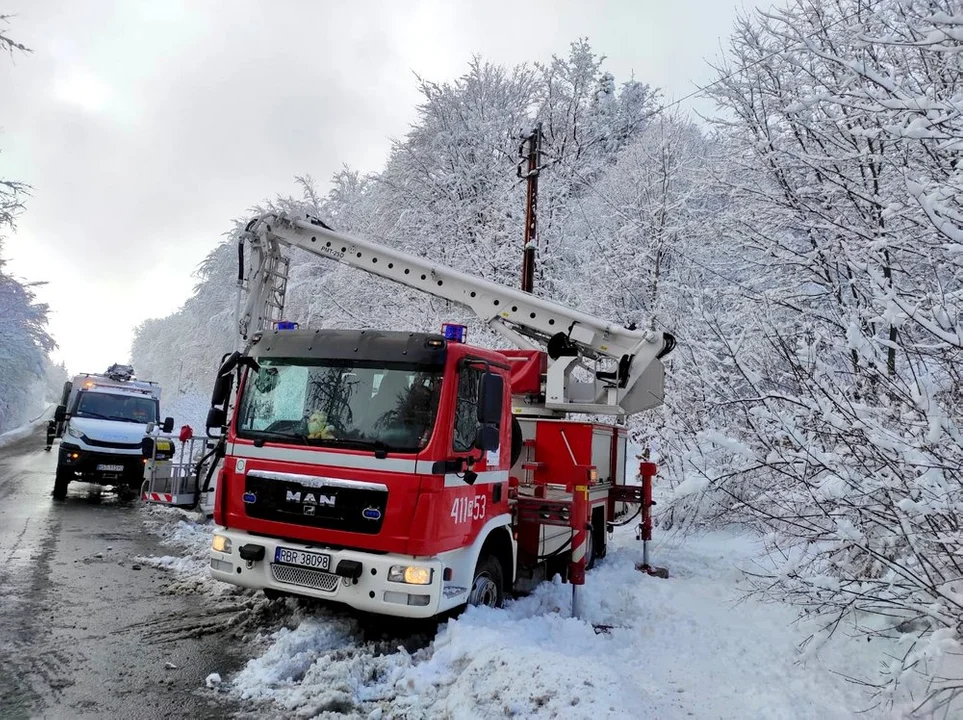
(466, 409)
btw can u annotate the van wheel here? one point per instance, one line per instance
(60, 484)
(487, 587)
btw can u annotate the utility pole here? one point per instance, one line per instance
(533, 154)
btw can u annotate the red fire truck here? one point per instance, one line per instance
(406, 473)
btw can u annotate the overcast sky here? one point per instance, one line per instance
(145, 126)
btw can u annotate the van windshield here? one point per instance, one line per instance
(312, 402)
(114, 406)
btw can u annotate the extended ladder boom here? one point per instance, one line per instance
(633, 381)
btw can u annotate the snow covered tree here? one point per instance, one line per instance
(644, 242)
(24, 344)
(24, 341)
(843, 123)
(11, 191)
(586, 123)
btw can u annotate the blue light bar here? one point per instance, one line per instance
(286, 325)
(455, 333)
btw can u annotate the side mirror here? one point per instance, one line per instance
(486, 438)
(60, 414)
(222, 389)
(490, 399)
(168, 425)
(216, 418)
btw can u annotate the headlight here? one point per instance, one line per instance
(75, 433)
(410, 574)
(221, 543)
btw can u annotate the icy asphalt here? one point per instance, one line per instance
(85, 630)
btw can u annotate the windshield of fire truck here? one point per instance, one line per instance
(339, 404)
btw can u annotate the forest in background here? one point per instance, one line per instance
(804, 245)
(28, 378)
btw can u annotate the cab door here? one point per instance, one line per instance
(480, 491)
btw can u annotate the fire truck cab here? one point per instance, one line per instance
(396, 445)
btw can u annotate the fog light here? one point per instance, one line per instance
(419, 600)
(221, 544)
(410, 574)
(221, 565)
(398, 598)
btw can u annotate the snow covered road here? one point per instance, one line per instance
(683, 647)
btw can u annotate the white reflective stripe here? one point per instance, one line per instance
(318, 482)
(487, 477)
(320, 457)
(578, 552)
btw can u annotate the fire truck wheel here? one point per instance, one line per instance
(517, 440)
(589, 550)
(487, 586)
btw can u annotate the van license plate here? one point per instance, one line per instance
(110, 468)
(315, 561)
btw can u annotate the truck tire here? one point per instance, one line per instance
(61, 481)
(517, 441)
(487, 586)
(595, 540)
(590, 555)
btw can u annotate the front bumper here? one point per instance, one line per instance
(86, 462)
(370, 592)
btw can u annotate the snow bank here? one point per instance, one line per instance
(679, 647)
(191, 536)
(25, 431)
(687, 646)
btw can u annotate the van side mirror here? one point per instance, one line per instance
(168, 425)
(490, 396)
(60, 414)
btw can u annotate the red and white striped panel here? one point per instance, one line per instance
(158, 497)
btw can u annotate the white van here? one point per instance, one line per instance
(102, 425)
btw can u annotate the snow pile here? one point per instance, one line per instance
(679, 647)
(191, 566)
(25, 431)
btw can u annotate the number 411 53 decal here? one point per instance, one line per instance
(465, 509)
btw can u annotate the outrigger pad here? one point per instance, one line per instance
(659, 572)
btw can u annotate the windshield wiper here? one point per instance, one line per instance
(282, 437)
(379, 448)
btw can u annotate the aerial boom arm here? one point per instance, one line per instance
(633, 383)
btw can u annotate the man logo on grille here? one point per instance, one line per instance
(310, 499)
